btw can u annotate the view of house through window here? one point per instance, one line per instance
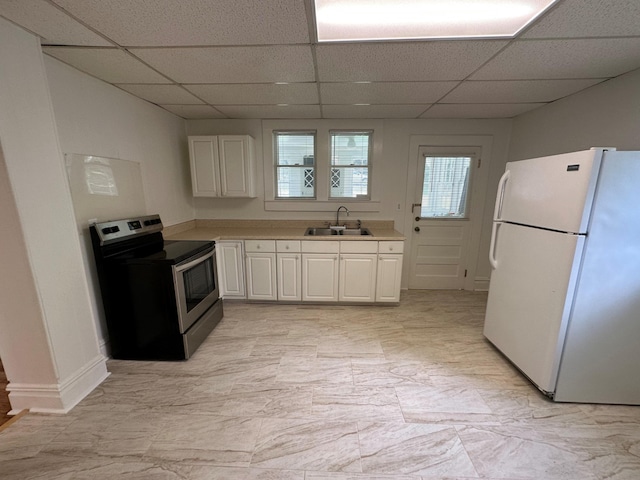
(349, 174)
(445, 187)
(295, 164)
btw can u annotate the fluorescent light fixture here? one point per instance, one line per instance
(362, 20)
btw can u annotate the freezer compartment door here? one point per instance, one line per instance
(553, 192)
(529, 298)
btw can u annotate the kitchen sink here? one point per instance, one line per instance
(312, 231)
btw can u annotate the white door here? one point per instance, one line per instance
(553, 192)
(230, 268)
(289, 282)
(389, 276)
(358, 277)
(261, 276)
(235, 166)
(527, 308)
(443, 217)
(320, 277)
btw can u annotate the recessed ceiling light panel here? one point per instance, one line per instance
(362, 20)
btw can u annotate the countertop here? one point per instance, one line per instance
(272, 230)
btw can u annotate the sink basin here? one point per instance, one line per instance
(320, 231)
(328, 231)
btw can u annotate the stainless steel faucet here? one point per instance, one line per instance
(338, 214)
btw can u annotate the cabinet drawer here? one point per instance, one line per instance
(357, 246)
(309, 246)
(288, 246)
(390, 247)
(253, 246)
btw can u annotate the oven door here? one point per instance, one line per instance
(196, 287)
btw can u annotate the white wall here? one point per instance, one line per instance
(56, 375)
(391, 170)
(95, 118)
(605, 115)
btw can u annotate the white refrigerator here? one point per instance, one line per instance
(564, 296)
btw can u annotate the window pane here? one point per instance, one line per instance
(295, 182)
(295, 148)
(445, 187)
(295, 164)
(349, 182)
(350, 164)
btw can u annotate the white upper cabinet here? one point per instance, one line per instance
(222, 165)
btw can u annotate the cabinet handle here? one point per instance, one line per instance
(286, 247)
(258, 247)
(391, 249)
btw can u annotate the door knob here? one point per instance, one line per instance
(417, 229)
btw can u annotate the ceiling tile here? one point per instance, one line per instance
(52, 24)
(516, 91)
(548, 59)
(270, 111)
(194, 22)
(193, 111)
(419, 61)
(257, 94)
(284, 63)
(385, 93)
(373, 111)
(108, 64)
(162, 94)
(589, 18)
(477, 110)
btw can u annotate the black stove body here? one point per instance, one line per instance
(161, 298)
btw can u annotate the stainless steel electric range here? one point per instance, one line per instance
(161, 298)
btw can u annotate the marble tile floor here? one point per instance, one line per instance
(291, 392)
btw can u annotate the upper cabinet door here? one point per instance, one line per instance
(203, 155)
(237, 165)
(222, 166)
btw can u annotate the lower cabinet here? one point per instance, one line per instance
(389, 278)
(357, 277)
(320, 267)
(310, 270)
(261, 270)
(230, 261)
(289, 270)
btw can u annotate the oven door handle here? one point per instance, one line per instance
(196, 261)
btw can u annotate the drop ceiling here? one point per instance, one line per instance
(260, 59)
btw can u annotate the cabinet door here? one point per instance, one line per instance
(358, 277)
(289, 281)
(203, 155)
(389, 278)
(320, 277)
(230, 268)
(261, 276)
(236, 166)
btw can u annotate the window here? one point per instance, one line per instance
(295, 164)
(445, 187)
(350, 161)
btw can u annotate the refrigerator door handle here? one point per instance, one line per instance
(497, 212)
(492, 246)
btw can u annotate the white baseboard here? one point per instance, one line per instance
(59, 397)
(481, 284)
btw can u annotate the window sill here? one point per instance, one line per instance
(298, 205)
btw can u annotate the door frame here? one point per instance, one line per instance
(476, 211)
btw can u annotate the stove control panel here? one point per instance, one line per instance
(118, 230)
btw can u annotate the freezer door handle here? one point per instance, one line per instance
(497, 212)
(492, 246)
